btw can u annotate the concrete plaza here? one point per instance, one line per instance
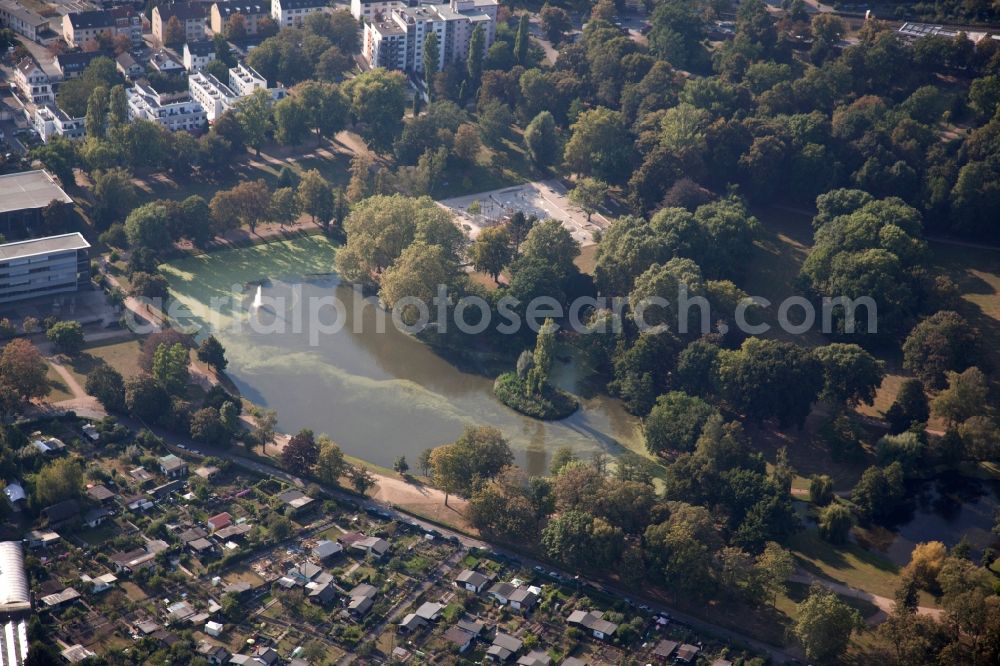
(543, 199)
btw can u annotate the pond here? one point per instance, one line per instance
(947, 509)
(378, 395)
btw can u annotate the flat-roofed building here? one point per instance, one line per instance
(23, 196)
(289, 13)
(50, 121)
(43, 266)
(397, 40)
(214, 96)
(369, 9)
(244, 80)
(173, 111)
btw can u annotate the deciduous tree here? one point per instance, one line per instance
(824, 624)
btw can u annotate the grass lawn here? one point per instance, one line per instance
(58, 391)
(332, 160)
(122, 355)
(849, 564)
(587, 259)
(797, 592)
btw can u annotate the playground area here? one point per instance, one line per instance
(543, 199)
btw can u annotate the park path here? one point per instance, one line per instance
(884, 604)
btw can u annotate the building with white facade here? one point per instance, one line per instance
(217, 97)
(197, 55)
(288, 13)
(166, 62)
(50, 121)
(43, 266)
(176, 111)
(32, 81)
(397, 40)
(214, 96)
(243, 80)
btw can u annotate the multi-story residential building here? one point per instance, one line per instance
(397, 41)
(288, 13)
(32, 81)
(71, 65)
(197, 55)
(370, 9)
(384, 44)
(128, 22)
(243, 80)
(42, 266)
(25, 22)
(214, 96)
(192, 16)
(79, 28)
(175, 111)
(50, 121)
(217, 97)
(252, 13)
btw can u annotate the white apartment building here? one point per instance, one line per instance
(32, 81)
(173, 111)
(243, 80)
(397, 40)
(216, 97)
(197, 55)
(288, 13)
(43, 266)
(50, 121)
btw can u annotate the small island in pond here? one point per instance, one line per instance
(527, 390)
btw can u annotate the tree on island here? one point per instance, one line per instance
(527, 390)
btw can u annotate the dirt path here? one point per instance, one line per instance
(884, 604)
(74, 387)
